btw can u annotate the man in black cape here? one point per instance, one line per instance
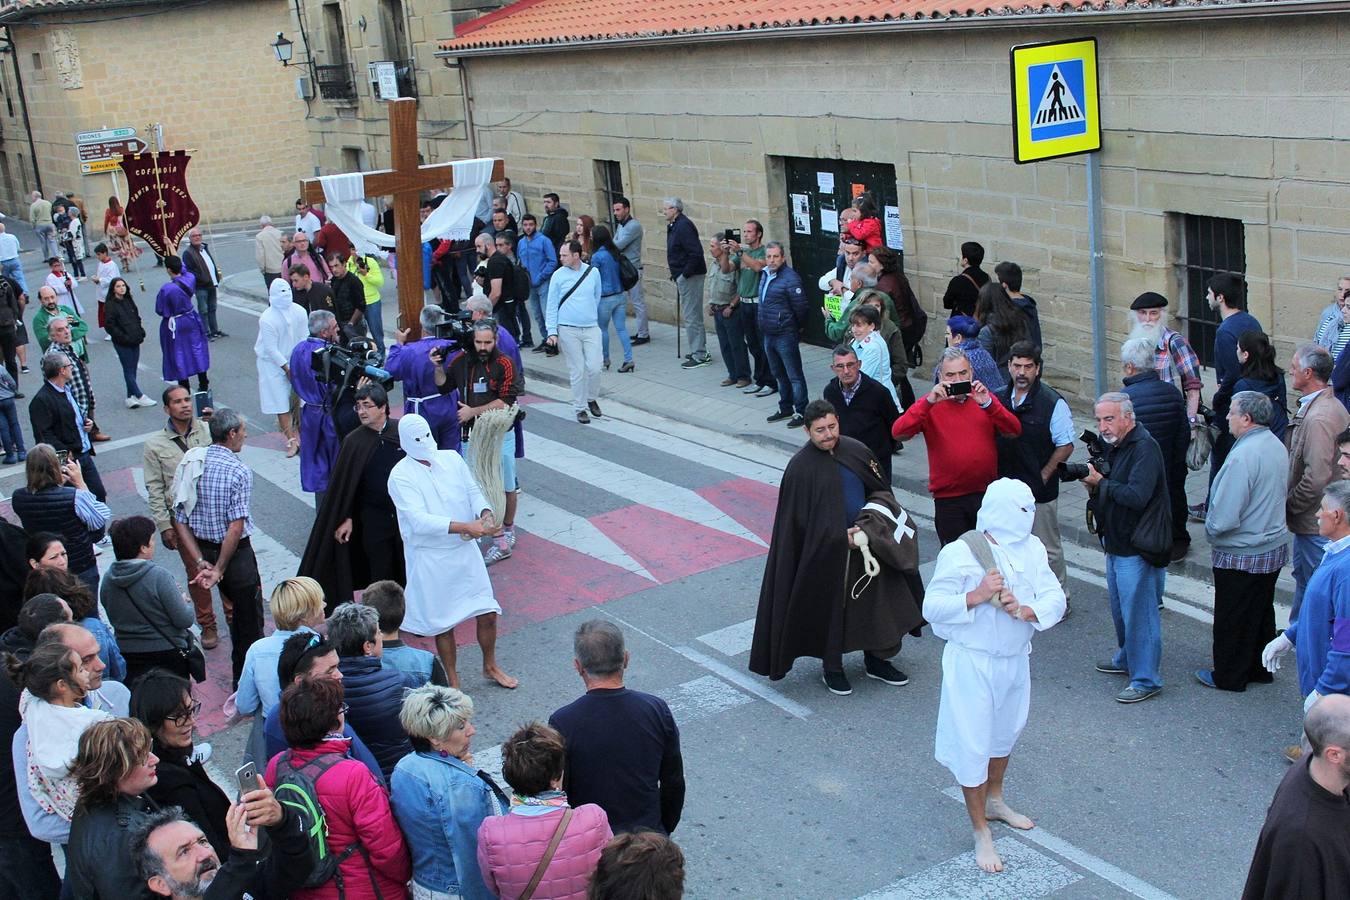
(817, 598)
(355, 540)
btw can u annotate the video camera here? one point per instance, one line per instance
(341, 367)
(457, 328)
(1070, 471)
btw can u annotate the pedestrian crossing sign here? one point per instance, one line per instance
(1054, 94)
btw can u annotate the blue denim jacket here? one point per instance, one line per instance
(259, 688)
(608, 268)
(439, 803)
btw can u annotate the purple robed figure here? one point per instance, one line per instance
(318, 433)
(410, 363)
(182, 334)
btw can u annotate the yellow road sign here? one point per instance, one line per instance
(100, 165)
(1054, 94)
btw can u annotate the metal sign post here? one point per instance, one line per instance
(1056, 113)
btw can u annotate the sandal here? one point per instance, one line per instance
(292, 447)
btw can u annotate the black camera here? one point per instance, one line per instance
(1097, 448)
(336, 365)
(457, 328)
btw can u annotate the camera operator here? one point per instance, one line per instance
(1033, 457)
(318, 430)
(410, 362)
(1161, 408)
(962, 454)
(486, 379)
(1134, 523)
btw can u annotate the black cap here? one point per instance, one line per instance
(1149, 300)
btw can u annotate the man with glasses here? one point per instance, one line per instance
(865, 408)
(355, 540)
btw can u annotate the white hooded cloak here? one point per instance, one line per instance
(986, 671)
(447, 578)
(281, 326)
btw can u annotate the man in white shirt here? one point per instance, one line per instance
(987, 614)
(515, 203)
(570, 314)
(197, 260)
(9, 259)
(305, 220)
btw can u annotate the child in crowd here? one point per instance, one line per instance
(417, 666)
(872, 351)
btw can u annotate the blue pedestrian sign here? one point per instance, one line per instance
(1054, 88)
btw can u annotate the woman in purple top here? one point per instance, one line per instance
(182, 335)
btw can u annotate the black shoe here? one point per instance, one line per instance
(221, 334)
(795, 422)
(837, 682)
(583, 418)
(882, 670)
(696, 362)
(23, 370)
(525, 343)
(1179, 550)
(641, 339)
(20, 395)
(594, 408)
(540, 348)
(1107, 667)
(779, 416)
(551, 351)
(210, 337)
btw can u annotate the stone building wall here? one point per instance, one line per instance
(1228, 118)
(207, 73)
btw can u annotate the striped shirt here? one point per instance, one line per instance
(1260, 564)
(224, 493)
(1173, 357)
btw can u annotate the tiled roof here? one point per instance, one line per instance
(541, 23)
(14, 10)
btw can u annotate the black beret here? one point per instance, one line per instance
(1149, 300)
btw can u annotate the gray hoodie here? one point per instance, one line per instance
(1246, 502)
(146, 607)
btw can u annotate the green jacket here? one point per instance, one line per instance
(78, 329)
(837, 330)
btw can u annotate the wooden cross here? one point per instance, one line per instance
(405, 181)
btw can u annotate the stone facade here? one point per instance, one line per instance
(205, 72)
(1231, 118)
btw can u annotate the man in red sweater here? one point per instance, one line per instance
(958, 419)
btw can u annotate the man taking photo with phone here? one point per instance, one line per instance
(959, 420)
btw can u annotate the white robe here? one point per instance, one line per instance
(280, 328)
(447, 578)
(986, 671)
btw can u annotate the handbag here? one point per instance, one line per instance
(192, 654)
(628, 273)
(1202, 444)
(548, 855)
(1152, 535)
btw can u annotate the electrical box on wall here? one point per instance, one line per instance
(304, 90)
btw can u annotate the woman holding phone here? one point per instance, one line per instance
(56, 499)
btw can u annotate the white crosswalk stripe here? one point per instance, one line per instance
(553, 523)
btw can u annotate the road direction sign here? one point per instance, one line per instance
(101, 151)
(107, 134)
(1054, 100)
(99, 165)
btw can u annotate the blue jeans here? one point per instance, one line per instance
(375, 322)
(536, 308)
(785, 362)
(129, 357)
(1308, 551)
(613, 309)
(731, 341)
(1135, 589)
(14, 269)
(206, 305)
(11, 432)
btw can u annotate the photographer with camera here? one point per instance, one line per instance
(318, 430)
(962, 454)
(410, 362)
(486, 379)
(1134, 522)
(1034, 456)
(1161, 408)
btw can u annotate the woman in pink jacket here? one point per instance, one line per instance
(511, 847)
(357, 809)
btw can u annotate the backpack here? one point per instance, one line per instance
(522, 283)
(296, 788)
(628, 273)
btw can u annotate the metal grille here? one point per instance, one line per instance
(610, 178)
(406, 75)
(1210, 246)
(335, 82)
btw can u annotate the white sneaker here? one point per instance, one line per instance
(133, 402)
(201, 753)
(144, 401)
(496, 553)
(107, 337)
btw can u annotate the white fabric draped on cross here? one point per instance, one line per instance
(452, 220)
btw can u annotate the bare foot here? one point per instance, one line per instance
(453, 677)
(986, 857)
(497, 675)
(997, 810)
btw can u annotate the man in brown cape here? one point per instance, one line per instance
(818, 598)
(355, 540)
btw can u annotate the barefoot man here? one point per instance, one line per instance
(441, 514)
(992, 589)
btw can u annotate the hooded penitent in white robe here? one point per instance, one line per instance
(447, 579)
(986, 671)
(281, 326)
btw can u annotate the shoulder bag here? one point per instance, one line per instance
(191, 653)
(548, 855)
(575, 285)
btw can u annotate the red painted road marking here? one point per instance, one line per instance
(752, 503)
(669, 547)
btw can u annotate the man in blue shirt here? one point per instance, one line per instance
(571, 323)
(535, 252)
(1228, 297)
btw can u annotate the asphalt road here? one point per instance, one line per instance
(793, 792)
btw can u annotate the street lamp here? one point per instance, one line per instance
(283, 49)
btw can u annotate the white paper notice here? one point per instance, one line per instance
(801, 223)
(895, 238)
(800, 205)
(829, 220)
(825, 180)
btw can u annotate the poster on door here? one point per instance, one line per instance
(801, 214)
(895, 237)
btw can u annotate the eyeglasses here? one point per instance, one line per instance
(183, 718)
